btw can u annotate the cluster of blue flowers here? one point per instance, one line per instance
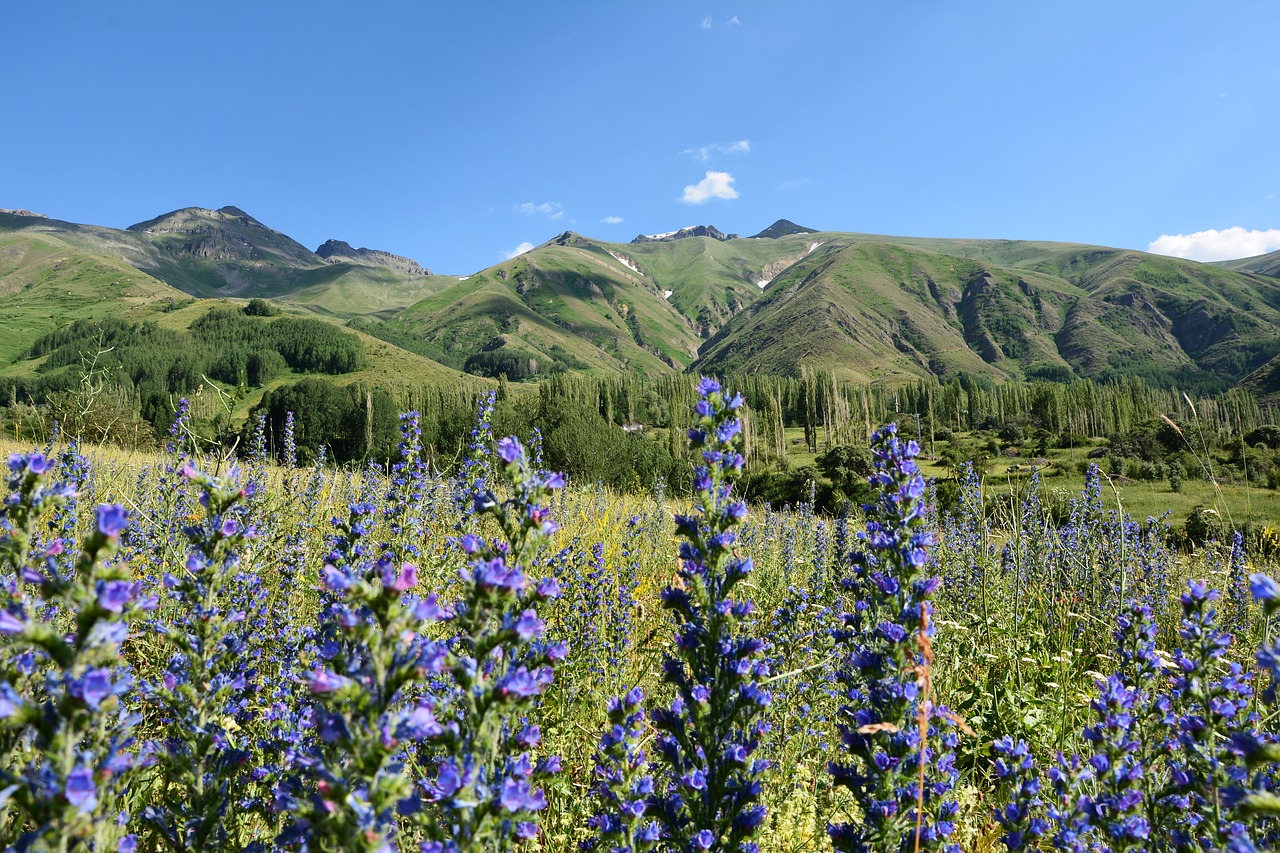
(1175, 760)
(702, 788)
(64, 613)
(365, 692)
(900, 765)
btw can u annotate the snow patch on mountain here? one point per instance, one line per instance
(626, 262)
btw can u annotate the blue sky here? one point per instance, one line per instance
(455, 133)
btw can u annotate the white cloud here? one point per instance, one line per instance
(518, 250)
(1214, 245)
(552, 209)
(703, 153)
(714, 185)
(706, 23)
(611, 220)
(735, 22)
(792, 184)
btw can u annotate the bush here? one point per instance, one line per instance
(1012, 434)
(261, 308)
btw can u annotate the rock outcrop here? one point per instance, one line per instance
(338, 251)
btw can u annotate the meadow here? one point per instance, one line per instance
(205, 653)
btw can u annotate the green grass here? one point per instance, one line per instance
(43, 286)
(1005, 479)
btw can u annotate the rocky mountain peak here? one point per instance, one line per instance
(688, 231)
(783, 228)
(227, 234)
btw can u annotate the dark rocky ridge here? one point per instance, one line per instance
(692, 231)
(337, 251)
(783, 228)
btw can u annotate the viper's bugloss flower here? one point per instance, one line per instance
(707, 789)
(64, 677)
(879, 672)
(1265, 591)
(112, 520)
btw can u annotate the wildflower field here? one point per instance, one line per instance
(199, 653)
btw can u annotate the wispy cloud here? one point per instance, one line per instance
(1214, 245)
(508, 254)
(714, 185)
(703, 153)
(551, 209)
(611, 220)
(734, 22)
(795, 184)
(706, 23)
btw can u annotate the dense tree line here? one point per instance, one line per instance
(361, 423)
(626, 430)
(149, 364)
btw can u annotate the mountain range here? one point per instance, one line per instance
(867, 307)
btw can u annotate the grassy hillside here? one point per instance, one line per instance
(226, 252)
(46, 283)
(710, 280)
(50, 278)
(868, 307)
(887, 308)
(1268, 264)
(567, 305)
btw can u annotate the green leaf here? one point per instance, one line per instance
(1261, 803)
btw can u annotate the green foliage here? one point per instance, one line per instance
(113, 380)
(261, 308)
(1268, 434)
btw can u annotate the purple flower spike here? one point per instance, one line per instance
(114, 595)
(10, 701)
(112, 520)
(529, 625)
(509, 449)
(10, 624)
(93, 687)
(407, 578)
(324, 681)
(1265, 590)
(548, 588)
(80, 790)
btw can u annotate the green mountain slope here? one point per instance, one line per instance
(1268, 264)
(46, 283)
(53, 274)
(888, 308)
(710, 280)
(868, 307)
(568, 304)
(226, 252)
